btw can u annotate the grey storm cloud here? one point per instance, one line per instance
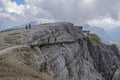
(82, 10)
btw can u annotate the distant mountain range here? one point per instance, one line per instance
(115, 33)
(107, 36)
(4, 26)
(99, 31)
(23, 25)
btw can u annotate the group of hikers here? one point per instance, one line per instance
(28, 26)
(55, 40)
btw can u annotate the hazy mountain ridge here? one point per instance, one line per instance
(99, 31)
(114, 33)
(4, 26)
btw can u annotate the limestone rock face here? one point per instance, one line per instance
(65, 52)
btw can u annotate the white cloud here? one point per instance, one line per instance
(12, 14)
(88, 1)
(95, 12)
(106, 23)
(11, 7)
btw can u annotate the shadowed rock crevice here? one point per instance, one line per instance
(105, 58)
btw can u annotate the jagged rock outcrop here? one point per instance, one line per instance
(64, 52)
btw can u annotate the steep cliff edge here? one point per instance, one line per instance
(56, 51)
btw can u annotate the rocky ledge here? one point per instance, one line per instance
(57, 51)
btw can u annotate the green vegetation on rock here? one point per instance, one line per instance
(94, 37)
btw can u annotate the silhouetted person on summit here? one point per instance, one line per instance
(29, 26)
(26, 27)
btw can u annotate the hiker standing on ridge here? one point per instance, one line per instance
(29, 26)
(26, 27)
(48, 42)
(55, 40)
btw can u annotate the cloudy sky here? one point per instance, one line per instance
(104, 13)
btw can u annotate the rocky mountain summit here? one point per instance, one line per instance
(56, 51)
